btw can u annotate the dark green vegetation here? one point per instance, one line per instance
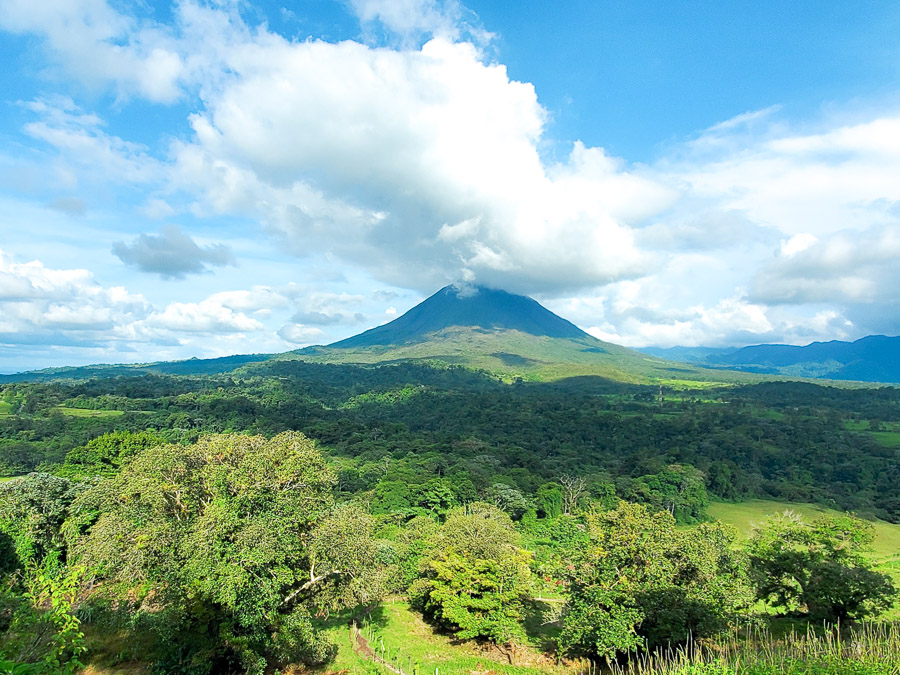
(185, 518)
(875, 358)
(393, 430)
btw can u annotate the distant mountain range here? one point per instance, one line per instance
(875, 358)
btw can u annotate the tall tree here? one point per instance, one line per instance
(236, 535)
(819, 568)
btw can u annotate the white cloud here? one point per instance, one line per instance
(79, 139)
(843, 267)
(421, 165)
(300, 335)
(413, 20)
(97, 45)
(207, 316)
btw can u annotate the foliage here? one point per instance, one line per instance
(104, 455)
(238, 534)
(639, 581)
(818, 567)
(475, 580)
(43, 634)
(32, 511)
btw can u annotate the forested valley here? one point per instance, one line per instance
(226, 522)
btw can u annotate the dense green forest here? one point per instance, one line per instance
(393, 430)
(219, 519)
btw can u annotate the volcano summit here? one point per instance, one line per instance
(511, 335)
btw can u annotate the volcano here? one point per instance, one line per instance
(510, 335)
(473, 307)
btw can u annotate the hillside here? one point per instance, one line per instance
(194, 366)
(475, 306)
(875, 358)
(510, 335)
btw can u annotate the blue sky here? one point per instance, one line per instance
(207, 178)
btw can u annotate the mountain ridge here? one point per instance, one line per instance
(873, 358)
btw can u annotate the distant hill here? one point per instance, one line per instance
(194, 366)
(875, 358)
(503, 333)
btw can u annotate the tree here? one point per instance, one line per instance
(32, 511)
(640, 582)
(104, 455)
(237, 538)
(573, 488)
(818, 568)
(475, 579)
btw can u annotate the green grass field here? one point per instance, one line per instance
(5, 408)
(412, 645)
(745, 514)
(87, 412)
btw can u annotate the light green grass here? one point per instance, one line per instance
(410, 642)
(887, 439)
(872, 649)
(5, 408)
(745, 515)
(887, 435)
(88, 412)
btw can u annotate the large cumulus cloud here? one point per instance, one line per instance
(423, 163)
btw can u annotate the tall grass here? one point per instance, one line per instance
(872, 649)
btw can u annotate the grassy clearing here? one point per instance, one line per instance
(88, 412)
(886, 434)
(5, 408)
(887, 439)
(745, 515)
(413, 646)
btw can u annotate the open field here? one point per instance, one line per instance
(886, 434)
(744, 515)
(88, 412)
(413, 646)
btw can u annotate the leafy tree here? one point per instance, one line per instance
(509, 499)
(104, 455)
(639, 581)
(818, 567)
(39, 632)
(475, 579)
(550, 500)
(239, 537)
(32, 511)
